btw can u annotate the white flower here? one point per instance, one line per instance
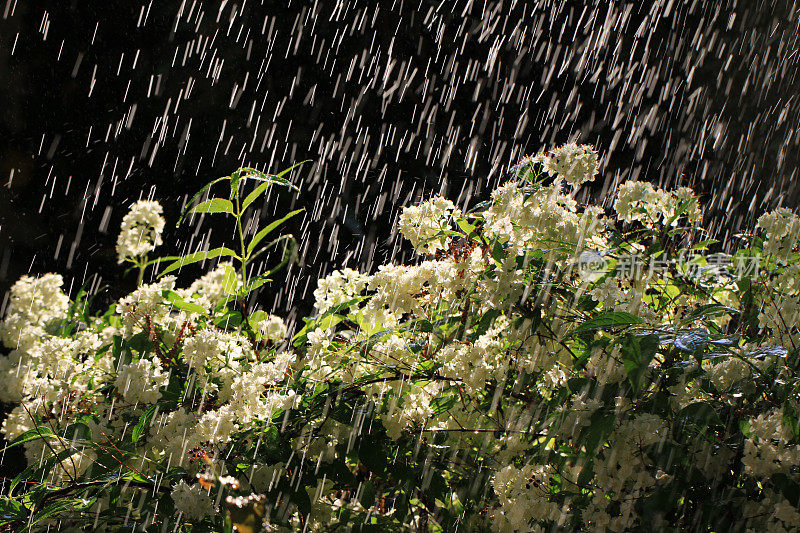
(34, 301)
(146, 301)
(422, 223)
(727, 372)
(198, 349)
(141, 230)
(192, 501)
(211, 287)
(638, 200)
(573, 163)
(216, 426)
(17, 422)
(272, 327)
(781, 231)
(339, 287)
(39, 298)
(139, 382)
(632, 196)
(212, 349)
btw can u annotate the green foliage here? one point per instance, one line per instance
(236, 206)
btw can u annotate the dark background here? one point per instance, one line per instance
(103, 103)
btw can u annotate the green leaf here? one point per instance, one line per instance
(229, 280)
(374, 339)
(744, 427)
(32, 434)
(313, 323)
(197, 195)
(637, 352)
(229, 319)
(199, 256)
(367, 496)
(699, 414)
(258, 237)
(486, 321)
(252, 285)
(465, 226)
(443, 403)
(682, 208)
(234, 179)
(790, 419)
(77, 433)
(708, 310)
(286, 171)
(702, 245)
(498, 252)
(328, 322)
(608, 320)
(214, 205)
(179, 303)
(423, 326)
(11, 510)
(601, 426)
(144, 422)
(276, 179)
(56, 507)
(257, 316)
(253, 196)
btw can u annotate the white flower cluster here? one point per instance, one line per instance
(339, 287)
(272, 327)
(542, 218)
(192, 501)
(774, 513)
(624, 295)
(624, 469)
(210, 290)
(422, 224)
(768, 451)
(779, 301)
(638, 200)
(523, 494)
(728, 372)
(140, 381)
(33, 303)
(52, 377)
(575, 164)
(781, 231)
(141, 230)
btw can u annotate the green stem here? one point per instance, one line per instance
(243, 259)
(142, 266)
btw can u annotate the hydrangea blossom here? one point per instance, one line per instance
(192, 500)
(33, 303)
(781, 231)
(140, 382)
(422, 223)
(638, 200)
(141, 230)
(575, 164)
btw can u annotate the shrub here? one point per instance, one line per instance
(545, 365)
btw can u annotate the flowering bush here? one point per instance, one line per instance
(543, 366)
